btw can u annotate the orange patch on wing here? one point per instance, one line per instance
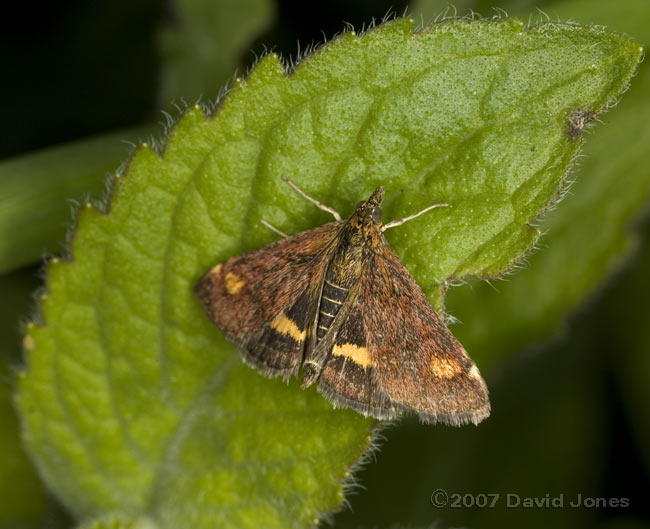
(284, 325)
(444, 368)
(234, 283)
(359, 355)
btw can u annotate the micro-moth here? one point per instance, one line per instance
(338, 303)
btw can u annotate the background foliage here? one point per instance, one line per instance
(571, 414)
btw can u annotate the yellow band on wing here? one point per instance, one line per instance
(359, 355)
(284, 325)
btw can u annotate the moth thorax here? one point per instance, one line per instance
(331, 300)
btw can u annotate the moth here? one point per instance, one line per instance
(336, 302)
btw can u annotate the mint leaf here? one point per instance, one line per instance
(119, 521)
(590, 235)
(24, 502)
(133, 402)
(23, 498)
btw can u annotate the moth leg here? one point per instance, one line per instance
(399, 222)
(320, 205)
(274, 229)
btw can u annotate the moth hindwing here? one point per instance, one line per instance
(336, 301)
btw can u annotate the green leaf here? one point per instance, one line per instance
(203, 42)
(23, 498)
(119, 521)
(588, 237)
(133, 402)
(37, 192)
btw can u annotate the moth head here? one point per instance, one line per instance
(372, 207)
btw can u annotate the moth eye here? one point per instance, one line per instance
(376, 214)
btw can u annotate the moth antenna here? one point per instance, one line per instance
(399, 222)
(320, 205)
(273, 228)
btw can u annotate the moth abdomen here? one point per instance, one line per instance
(332, 297)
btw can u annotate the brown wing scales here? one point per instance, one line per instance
(278, 349)
(262, 300)
(419, 364)
(348, 375)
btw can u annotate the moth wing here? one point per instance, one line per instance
(348, 377)
(418, 364)
(263, 301)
